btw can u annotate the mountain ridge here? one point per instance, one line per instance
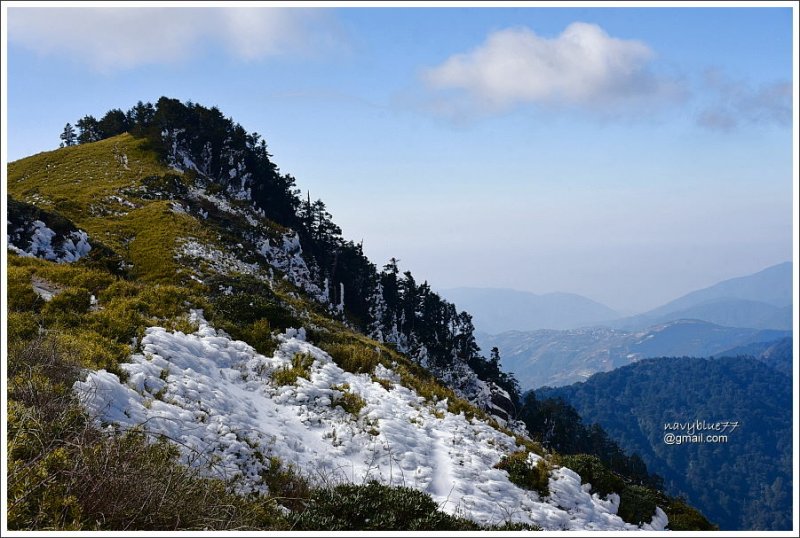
(555, 358)
(218, 252)
(760, 300)
(501, 309)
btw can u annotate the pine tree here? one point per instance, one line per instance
(494, 357)
(89, 130)
(68, 136)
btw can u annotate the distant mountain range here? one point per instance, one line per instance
(496, 310)
(741, 482)
(555, 358)
(762, 300)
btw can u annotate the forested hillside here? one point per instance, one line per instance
(744, 481)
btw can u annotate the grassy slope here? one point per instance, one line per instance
(79, 183)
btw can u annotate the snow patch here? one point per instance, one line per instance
(219, 261)
(217, 399)
(286, 255)
(44, 243)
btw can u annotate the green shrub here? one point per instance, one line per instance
(350, 402)
(21, 296)
(21, 326)
(354, 358)
(592, 471)
(119, 288)
(683, 517)
(92, 350)
(120, 320)
(68, 301)
(285, 485)
(166, 301)
(259, 335)
(75, 276)
(637, 504)
(375, 507)
(301, 367)
(243, 309)
(527, 476)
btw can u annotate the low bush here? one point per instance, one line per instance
(285, 484)
(375, 507)
(350, 402)
(354, 358)
(592, 471)
(301, 367)
(21, 296)
(523, 474)
(637, 504)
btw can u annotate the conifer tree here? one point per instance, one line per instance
(68, 136)
(89, 130)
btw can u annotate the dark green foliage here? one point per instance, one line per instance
(285, 485)
(375, 507)
(744, 483)
(114, 122)
(593, 471)
(301, 367)
(527, 476)
(558, 426)
(637, 502)
(351, 403)
(89, 130)
(68, 136)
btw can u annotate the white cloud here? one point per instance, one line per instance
(110, 39)
(583, 67)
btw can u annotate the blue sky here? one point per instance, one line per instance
(630, 155)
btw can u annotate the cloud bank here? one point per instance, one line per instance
(582, 67)
(112, 39)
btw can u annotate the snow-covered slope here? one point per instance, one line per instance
(216, 397)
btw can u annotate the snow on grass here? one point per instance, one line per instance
(217, 399)
(218, 260)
